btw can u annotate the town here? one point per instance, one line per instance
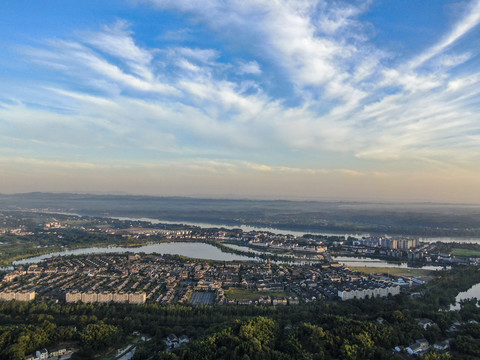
(268, 271)
(137, 279)
(27, 234)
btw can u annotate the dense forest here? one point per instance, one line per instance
(321, 330)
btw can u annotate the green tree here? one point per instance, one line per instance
(98, 336)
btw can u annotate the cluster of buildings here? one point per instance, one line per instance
(286, 243)
(367, 289)
(421, 347)
(137, 232)
(385, 242)
(173, 341)
(61, 353)
(24, 295)
(137, 279)
(105, 297)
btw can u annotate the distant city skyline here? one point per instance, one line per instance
(360, 100)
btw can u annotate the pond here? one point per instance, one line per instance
(473, 292)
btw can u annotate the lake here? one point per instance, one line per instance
(244, 248)
(200, 250)
(473, 292)
(194, 250)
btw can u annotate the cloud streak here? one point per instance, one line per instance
(311, 88)
(471, 20)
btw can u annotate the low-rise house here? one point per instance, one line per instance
(62, 350)
(42, 354)
(293, 300)
(442, 345)
(183, 340)
(419, 347)
(279, 301)
(426, 323)
(172, 341)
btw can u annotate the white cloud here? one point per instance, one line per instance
(251, 67)
(207, 56)
(189, 100)
(116, 40)
(471, 20)
(82, 61)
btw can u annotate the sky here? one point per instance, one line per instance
(266, 99)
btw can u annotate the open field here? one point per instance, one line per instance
(247, 294)
(394, 271)
(465, 252)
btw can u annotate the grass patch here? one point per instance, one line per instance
(465, 252)
(393, 271)
(250, 294)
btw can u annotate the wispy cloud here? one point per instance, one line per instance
(114, 92)
(251, 67)
(471, 20)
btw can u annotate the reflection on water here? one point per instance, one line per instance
(205, 251)
(244, 248)
(473, 292)
(193, 250)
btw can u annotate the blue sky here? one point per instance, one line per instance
(259, 99)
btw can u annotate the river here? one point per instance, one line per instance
(245, 228)
(274, 230)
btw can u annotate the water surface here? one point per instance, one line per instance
(473, 292)
(191, 249)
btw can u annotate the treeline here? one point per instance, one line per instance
(322, 330)
(349, 330)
